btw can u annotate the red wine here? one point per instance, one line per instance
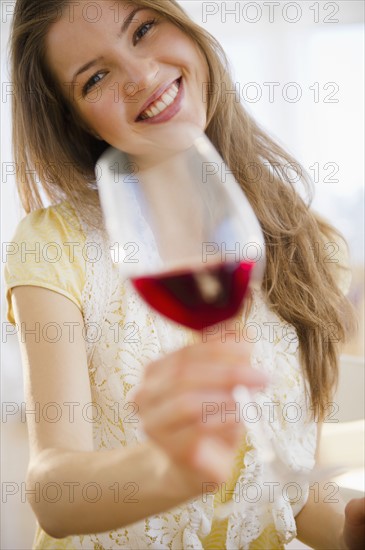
(197, 299)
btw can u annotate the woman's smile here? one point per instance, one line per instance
(165, 106)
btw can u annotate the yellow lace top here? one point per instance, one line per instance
(52, 248)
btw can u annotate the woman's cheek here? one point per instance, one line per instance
(102, 111)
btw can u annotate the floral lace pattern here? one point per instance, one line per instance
(128, 336)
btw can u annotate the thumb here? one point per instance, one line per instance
(214, 459)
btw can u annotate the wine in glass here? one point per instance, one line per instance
(199, 244)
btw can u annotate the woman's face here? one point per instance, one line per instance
(128, 72)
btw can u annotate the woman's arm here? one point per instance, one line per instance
(331, 526)
(320, 524)
(101, 491)
(97, 491)
(336, 526)
(132, 483)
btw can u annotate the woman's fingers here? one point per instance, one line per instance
(203, 354)
(214, 459)
(205, 413)
(209, 457)
(202, 366)
(187, 405)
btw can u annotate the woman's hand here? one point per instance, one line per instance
(354, 529)
(187, 407)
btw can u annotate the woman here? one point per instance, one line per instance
(87, 76)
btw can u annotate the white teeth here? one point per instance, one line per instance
(154, 110)
(167, 99)
(160, 106)
(173, 91)
(163, 102)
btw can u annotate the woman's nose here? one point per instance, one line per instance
(139, 74)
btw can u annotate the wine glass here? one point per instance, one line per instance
(197, 244)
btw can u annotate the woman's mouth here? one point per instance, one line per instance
(165, 106)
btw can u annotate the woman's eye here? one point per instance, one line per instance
(92, 82)
(143, 29)
(140, 32)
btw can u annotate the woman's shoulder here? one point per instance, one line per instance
(47, 250)
(56, 220)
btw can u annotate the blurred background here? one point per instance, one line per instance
(298, 68)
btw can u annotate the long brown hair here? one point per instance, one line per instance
(300, 283)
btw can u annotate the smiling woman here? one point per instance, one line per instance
(120, 73)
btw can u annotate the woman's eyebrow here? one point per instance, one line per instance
(129, 20)
(122, 31)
